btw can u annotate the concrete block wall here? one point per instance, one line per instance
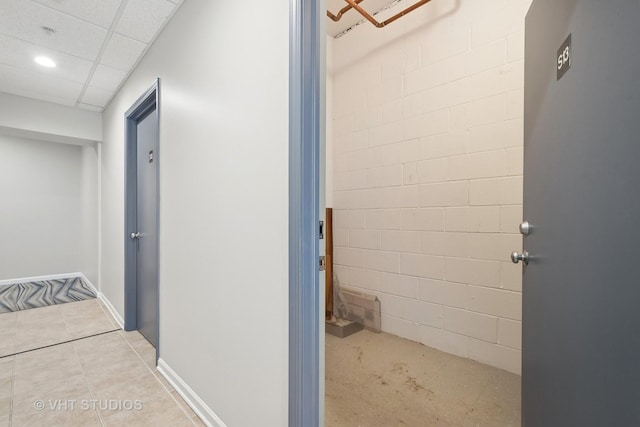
(428, 160)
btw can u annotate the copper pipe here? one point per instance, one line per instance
(347, 8)
(368, 17)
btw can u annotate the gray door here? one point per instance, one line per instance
(147, 227)
(581, 289)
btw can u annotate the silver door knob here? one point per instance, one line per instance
(524, 257)
(135, 236)
(525, 228)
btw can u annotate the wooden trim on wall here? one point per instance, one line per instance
(329, 264)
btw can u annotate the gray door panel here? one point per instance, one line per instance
(581, 291)
(147, 226)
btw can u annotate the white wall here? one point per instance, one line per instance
(428, 135)
(48, 197)
(89, 188)
(329, 174)
(223, 203)
(50, 122)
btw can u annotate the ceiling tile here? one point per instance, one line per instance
(20, 54)
(96, 96)
(31, 85)
(81, 42)
(142, 19)
(99, 12)
(122, 52)
(24, 19)
(107, 78)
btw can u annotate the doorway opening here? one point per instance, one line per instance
(141, 216)
(424, 178)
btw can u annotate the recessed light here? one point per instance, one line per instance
(45, 61)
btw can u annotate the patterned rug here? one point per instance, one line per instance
(22, 296)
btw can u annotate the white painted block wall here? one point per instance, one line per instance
(428, 147)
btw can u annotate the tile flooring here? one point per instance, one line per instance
(39, 327)
(379, 380)
(108, 379)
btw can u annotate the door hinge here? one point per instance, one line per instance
(323, 263)
(321, 229)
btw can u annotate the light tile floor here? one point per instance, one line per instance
(39, 327)
(103, 380)
(380, 380)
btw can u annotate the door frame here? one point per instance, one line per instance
(148, 101)
(305, 120)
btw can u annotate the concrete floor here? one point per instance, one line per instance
(380, 380)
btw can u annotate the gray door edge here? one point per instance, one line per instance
(149, 101)
(304, 178)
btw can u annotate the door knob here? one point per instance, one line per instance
(524, 257)
(135, 236)
(525, 228)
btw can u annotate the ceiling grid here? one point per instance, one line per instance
(94, 43)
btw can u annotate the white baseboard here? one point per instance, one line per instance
(41, 278)
(193, 400)
(112, 310)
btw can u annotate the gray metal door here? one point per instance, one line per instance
(147, 227)
(581, 289)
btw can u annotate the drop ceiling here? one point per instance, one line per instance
(95, 44)
(352, 17)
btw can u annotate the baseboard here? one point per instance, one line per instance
(112, 310)
(114, 313)
(193, 400)
(42, 279)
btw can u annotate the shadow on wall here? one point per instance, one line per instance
(408, 25)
